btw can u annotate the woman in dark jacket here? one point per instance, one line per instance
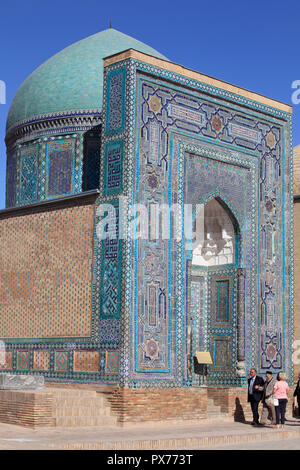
(297, 393)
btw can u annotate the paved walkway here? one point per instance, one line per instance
(205, 435)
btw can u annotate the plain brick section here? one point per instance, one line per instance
(139, 405)
(46, 273)
(150, 405)
(24, 408)
(111, 406)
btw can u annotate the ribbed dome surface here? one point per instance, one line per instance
(72, 79)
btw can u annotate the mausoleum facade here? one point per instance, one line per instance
(109, 129)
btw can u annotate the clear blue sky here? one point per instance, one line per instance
(250, 43)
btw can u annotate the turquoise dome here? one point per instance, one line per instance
(72, 79)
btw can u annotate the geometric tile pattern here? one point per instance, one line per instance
(61, 361)
(60, 157)
(111, 288)
(11, 179)
(221, 281)
(6, 361)
(216, 178)
(109, 330)
(112, 362)
(111, 265)
(46, 284)
(168, 122)
(138, 331)
(41, 360)
(46, 168)
(115, 102)
(107, 269)
(23, 360)
(222, 301)
(186, 186)
(221, 352)
(222, 322)
(113, 167)
(29, 182)
(196, 321)
(86, 361)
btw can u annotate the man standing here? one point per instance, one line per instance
(255, 393)
(268, 399)
(297, 393)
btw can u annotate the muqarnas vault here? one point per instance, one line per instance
(83, 132)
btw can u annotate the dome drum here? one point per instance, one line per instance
(54, 122)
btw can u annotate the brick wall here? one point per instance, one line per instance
(31, 409)
(133, 406)
(142, 405)
(138, 405)
(296, 155)
(45, 275)
(232, 402)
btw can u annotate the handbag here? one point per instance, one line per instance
(275, 401)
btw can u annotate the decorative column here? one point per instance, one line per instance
(240, 366)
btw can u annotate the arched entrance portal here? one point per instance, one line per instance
(215, 289)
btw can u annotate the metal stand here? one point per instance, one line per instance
(201, 371)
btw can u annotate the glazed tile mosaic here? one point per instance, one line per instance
(23, 360)
(133, 311)
(41, 360)
(191, 147)
(61, 361)
(86, 361)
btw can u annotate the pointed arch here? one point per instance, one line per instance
(228, 205)
(218, 234)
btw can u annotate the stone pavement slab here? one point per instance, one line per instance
(203, 435)
(282, 444)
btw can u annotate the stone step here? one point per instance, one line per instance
(211, 401)
(205, 441)
(213, 409)
(82, 411)
(73, 421)
(80, 401)
(216, 415)
(72, 393)
(81, 408)
(212, 406)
